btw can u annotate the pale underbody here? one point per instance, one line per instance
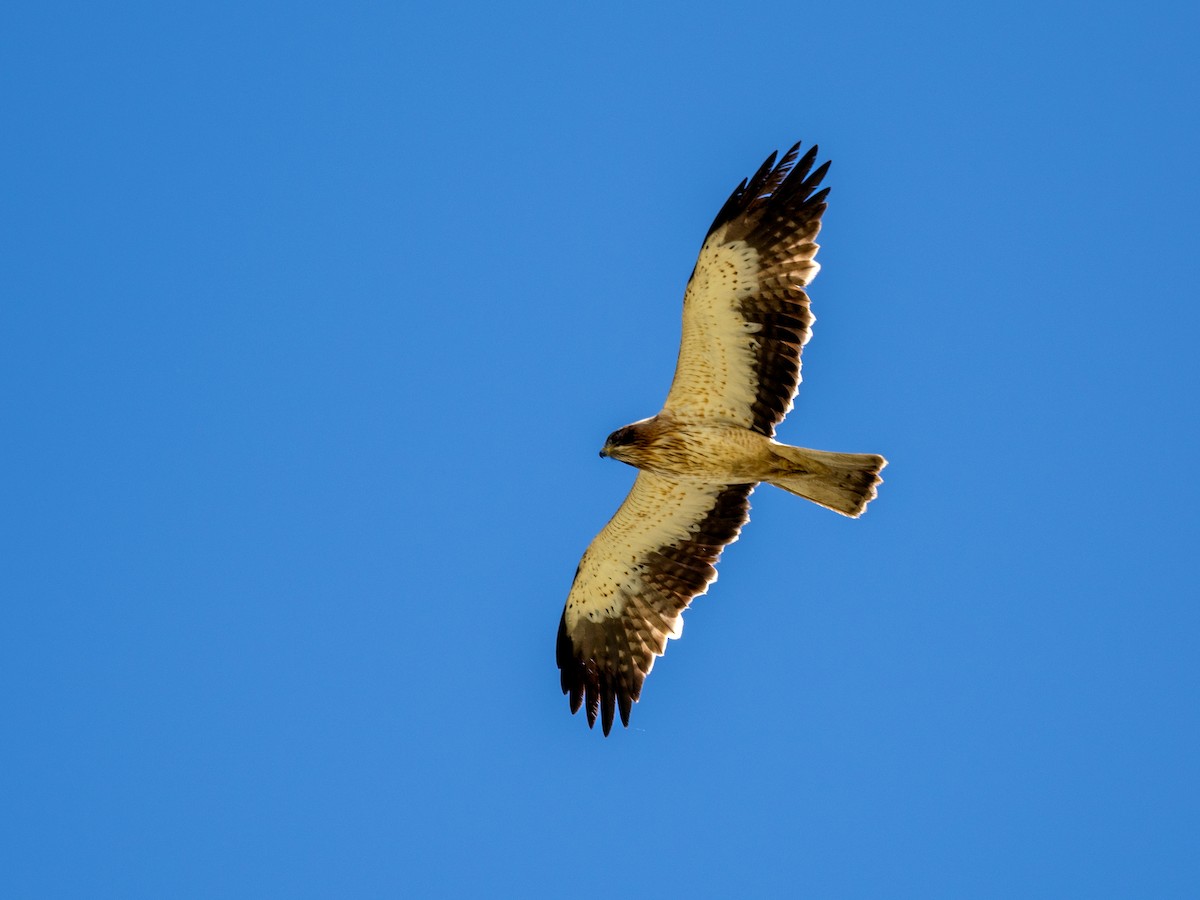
(703, 453)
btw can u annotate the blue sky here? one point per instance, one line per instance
(315, 317)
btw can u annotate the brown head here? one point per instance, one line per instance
(629, 444)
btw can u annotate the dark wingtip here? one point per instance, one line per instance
(816, 178)
(788, 179)
(563, 654)
(624, 704)
(608, 699)
(601, 693)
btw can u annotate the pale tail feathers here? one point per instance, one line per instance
(843, 482)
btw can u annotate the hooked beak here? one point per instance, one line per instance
(604, 452)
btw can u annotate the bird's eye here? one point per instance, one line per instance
(620, 437)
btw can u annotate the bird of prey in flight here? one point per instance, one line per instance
(746, 319)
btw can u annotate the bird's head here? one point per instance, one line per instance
(627, 443)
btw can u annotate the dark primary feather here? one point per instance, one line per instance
(603, 664)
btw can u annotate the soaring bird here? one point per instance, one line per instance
(746, 319)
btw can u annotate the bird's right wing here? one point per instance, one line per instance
(641, 571)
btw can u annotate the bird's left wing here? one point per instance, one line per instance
(745, 313)
(641, 571)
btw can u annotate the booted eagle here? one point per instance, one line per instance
(745, 320)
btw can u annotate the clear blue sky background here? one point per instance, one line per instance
(315, 316)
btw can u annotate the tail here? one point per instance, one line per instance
(843, 482)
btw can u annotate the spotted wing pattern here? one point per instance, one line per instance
(746, 316)
(641, 571)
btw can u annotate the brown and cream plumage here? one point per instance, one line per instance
(746, 319)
